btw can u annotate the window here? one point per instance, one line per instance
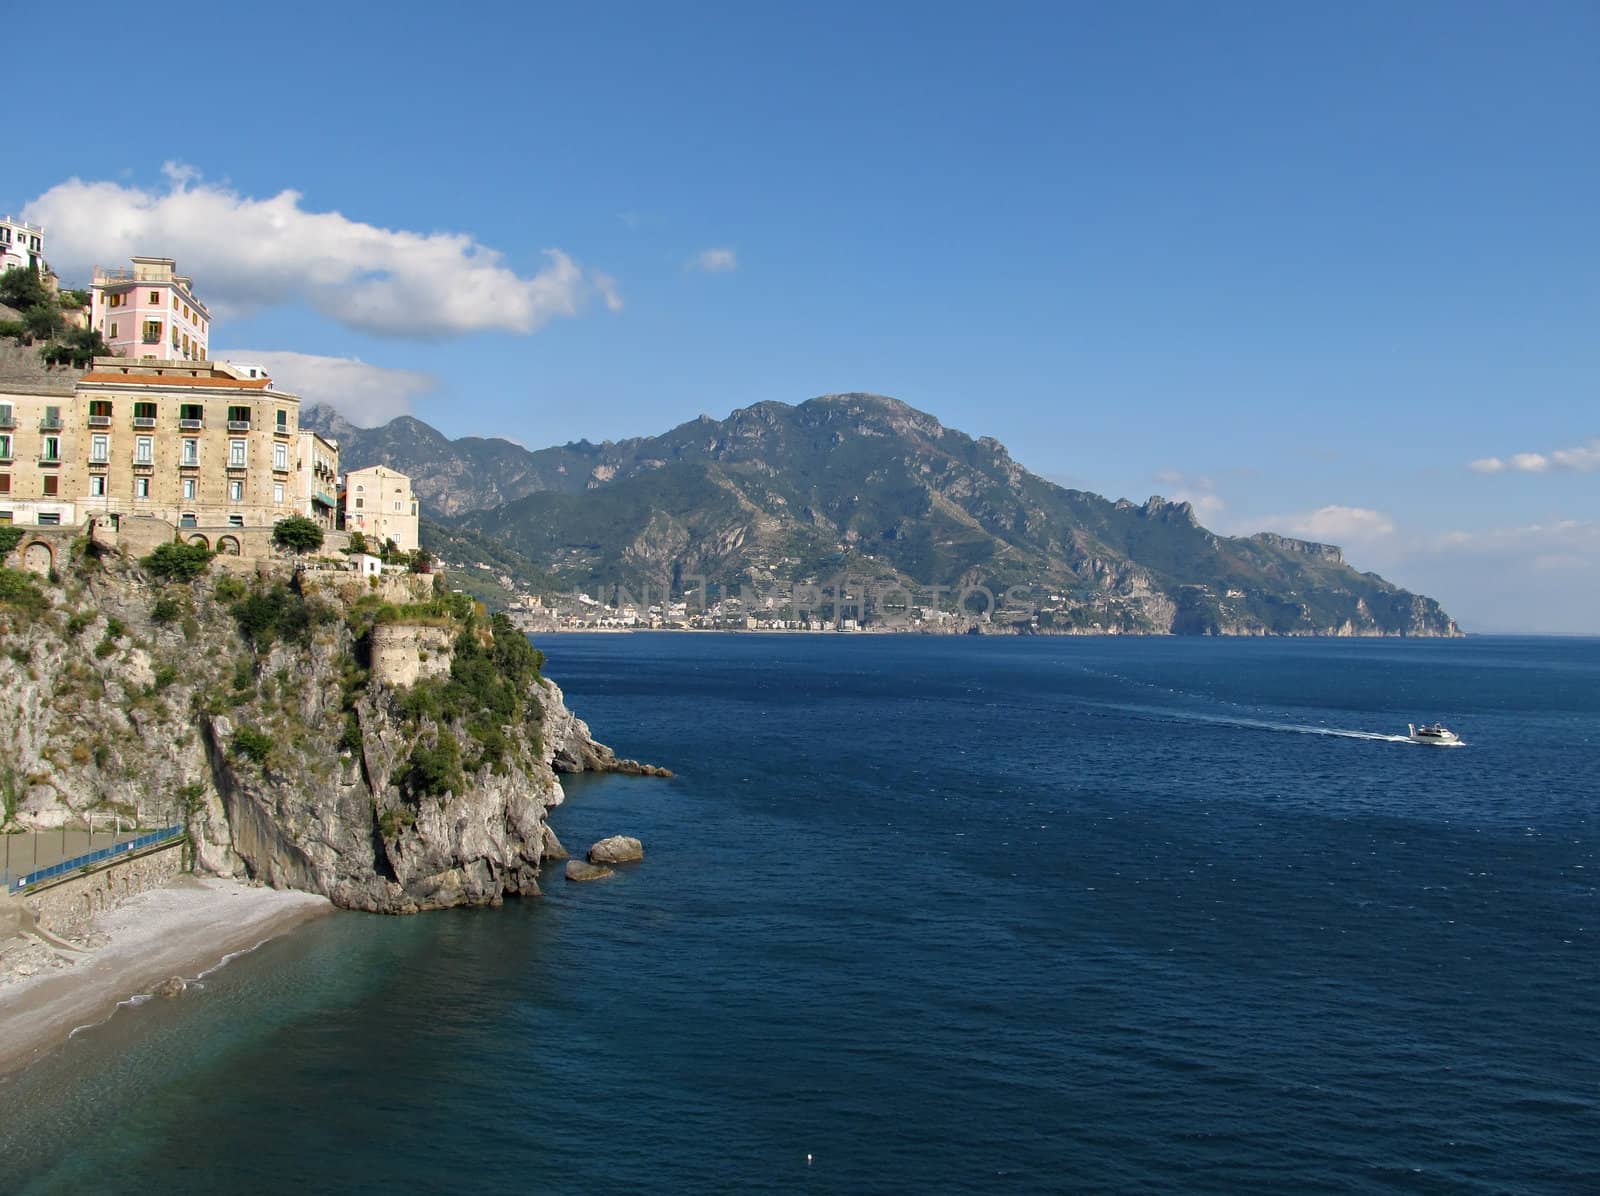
(113, 330)
(6, 416)
(397, 508)
(360, 503)
(280, 456)
(152, 332)
(238, 415)
(192, 411)
(187, 314)
(144, 450)
(100, 408)
(191, 451)
(359, 489)
(5, 483)
(187, 519)
(277, 492)
(188, 487)
(50, 482)
(53, 519)
(174, 303)
(52, 448)
(141, 487)
(155, 296)
(235, 520)
(283, 420)
(99, 449)
(235, 491)
(5, 447)
(97, 485)
(236, 454)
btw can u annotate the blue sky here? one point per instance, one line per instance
(1303, 265)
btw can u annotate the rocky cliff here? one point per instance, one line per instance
(248, 708)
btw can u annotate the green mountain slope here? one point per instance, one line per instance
(867, 486)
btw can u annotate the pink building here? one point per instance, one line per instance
(149, 311)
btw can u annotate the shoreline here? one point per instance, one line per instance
(187, 929)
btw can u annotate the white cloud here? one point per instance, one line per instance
(1335, 524)
(715, 261)
(1580, 458)
(366, 395)
(244, 253)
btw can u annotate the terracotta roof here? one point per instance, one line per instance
(176, 380)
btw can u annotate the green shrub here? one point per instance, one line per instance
(10, 537)
(350, 739)
(279, 613)
(115, 628)
(178, 562)
(165, 676)
(20, 591)
(167, 609)
(230, 589)
(105, 648)
(434, 771)
(102, 755)
(252, 745)
(395, 820)
(78, 622)
(297, 534)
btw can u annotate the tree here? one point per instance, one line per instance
(298, 534)
(22, 288)
(77, 348)
(178, 562)
(358, 543)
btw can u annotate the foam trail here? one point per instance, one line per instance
(1257, 724)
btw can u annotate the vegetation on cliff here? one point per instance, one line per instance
(249, 706)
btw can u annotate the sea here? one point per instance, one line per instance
(941, 915)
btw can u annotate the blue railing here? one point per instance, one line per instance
(94, 857)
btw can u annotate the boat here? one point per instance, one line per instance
(1436, 734)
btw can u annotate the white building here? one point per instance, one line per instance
(21, 244)
(149, 311)
(378, 503)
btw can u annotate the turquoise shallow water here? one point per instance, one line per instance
(946, 915)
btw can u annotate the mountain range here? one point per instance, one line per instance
(867, 486)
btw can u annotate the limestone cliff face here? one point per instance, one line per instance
(287, 760)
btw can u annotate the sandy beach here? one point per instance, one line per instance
(180, 930)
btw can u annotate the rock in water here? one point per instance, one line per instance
(552, 845)
(578, 870)
(172, 987)
(619, 849)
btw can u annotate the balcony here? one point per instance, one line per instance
(191, 425)
(323, 499)
(50, 425)
(99, 463)
(195, 464)
(144, 467)
(235, 467)
(99, 421)
(144, 422)
(238, 425)
(43, 460)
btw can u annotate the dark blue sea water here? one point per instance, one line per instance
(943, 915)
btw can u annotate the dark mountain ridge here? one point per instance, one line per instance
(863, 484)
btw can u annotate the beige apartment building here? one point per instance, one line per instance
(200, 444)
(379, 504)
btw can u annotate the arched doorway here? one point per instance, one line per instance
(200, 540)
(38, 558)
(227, 546)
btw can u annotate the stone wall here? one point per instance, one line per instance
(400, 588)
(405, 653)
(67, 908)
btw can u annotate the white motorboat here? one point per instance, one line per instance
(1436, 734)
